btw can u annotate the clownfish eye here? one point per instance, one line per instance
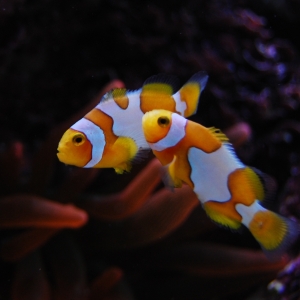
(163, 121)
(78, 139)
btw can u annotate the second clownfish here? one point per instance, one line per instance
(230, 192)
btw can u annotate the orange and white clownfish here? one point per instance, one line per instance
(229, 191)
(111, 134)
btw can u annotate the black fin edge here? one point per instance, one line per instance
(200, 77)
(164, 78)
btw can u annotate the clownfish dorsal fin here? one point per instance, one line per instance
(113, 94)
(269, 187)
(200, 78)
(118, 93)
(161, 83)
(106, 97)
(191, 91)
(256, 183)
(219, 134)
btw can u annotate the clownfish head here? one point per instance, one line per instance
(82, 145)
(156, 124)
(163, 129)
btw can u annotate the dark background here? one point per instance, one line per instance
(56, 55)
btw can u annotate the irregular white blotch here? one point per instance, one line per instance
(247, 212)
(276, 285)
(210, 171)
(126, 122)
(96, 137)
(174, 136)
(180, 105)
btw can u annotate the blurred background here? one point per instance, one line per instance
(55, 57)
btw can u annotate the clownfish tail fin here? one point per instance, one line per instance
(191, 92)
(274, 233)
(291, 235)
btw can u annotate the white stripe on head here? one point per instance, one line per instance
(96, 137)
(174, 136)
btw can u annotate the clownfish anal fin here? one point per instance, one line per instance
(168, 175)
(214, 211)
(164, 83)
(218, 134)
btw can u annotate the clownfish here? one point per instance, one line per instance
(111, 135)
(229, 191)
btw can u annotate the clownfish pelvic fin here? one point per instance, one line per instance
(168, 175)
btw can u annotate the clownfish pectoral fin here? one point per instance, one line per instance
(122, 152)
(168, 175)
(119, 170)
(191, 92)
(161, 83)
(274, 233)
(219, 134)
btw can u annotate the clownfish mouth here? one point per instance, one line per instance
(62, 158)
(58, 150)
(60, 155)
